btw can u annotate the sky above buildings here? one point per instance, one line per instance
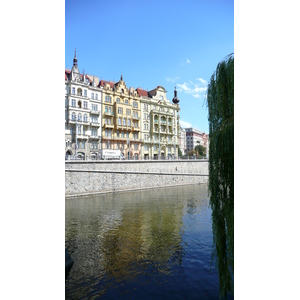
(151, 43)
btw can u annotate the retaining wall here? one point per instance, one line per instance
(92, 177)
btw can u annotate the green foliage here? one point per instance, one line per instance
(179, 152)
(191, 152)
(201, 150)
(220, 102)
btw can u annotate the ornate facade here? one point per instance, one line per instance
(107, 115)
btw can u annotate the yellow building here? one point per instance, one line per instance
(120, 118)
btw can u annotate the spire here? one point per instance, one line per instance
(121, 77)
(75, 59)
(175, 99)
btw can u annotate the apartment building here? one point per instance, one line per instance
(195, 137)
(82, 113)
(121, 118)
(159, 124)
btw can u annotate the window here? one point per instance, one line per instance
(73, 116)
(79, 117)
(96, 96)
(73, 103)
(94, 132)
(135, 104)
(154, 147)
(85, 104)
(108, 99)
(94, 119)
(124, 122)
(127, 135)
(73, 91)
(118, 100)
(119, 121)
(92, 95)
(118, 133)
(126, 101)
(146, 147)
(161, 98)
(94, 107)
(128, 111)
(84, 93)
(128, 122)
(120, 110)
(122, 134)
(108, 132)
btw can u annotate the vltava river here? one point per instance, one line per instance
(153, 244)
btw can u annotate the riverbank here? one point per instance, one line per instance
(94, 177)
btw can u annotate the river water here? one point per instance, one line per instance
(152, 244)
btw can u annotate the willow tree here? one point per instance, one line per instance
(220, 102)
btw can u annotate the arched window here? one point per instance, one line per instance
(73, 116)
(79, 92)
(92, 95)
(79, 117)
(85, 118)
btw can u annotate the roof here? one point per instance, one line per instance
(104, 82)
(142, 93)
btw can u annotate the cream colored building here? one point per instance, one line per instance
(159, 124)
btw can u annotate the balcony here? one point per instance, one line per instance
(95, 137)
(135, 129)
(95, 112)
(135, 117)
(109, 125)
(82, 136)
(109, 113)
(93, 123)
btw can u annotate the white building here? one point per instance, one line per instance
(195, 137)
(82, 113)
(182, 141)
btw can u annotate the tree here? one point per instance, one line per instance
(220, 102)
(179, 152)
(201, 150)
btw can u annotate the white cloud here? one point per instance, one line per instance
(184, 124)
(202, 81)
(193, 89)
(188, 61)
(169, 79)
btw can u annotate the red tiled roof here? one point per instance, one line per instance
(104, 82)
(67, 73)
(142, 93)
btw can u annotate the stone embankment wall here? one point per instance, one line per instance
(92, 177)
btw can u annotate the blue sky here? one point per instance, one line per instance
(153, 43)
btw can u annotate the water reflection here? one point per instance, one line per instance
(146, 244)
